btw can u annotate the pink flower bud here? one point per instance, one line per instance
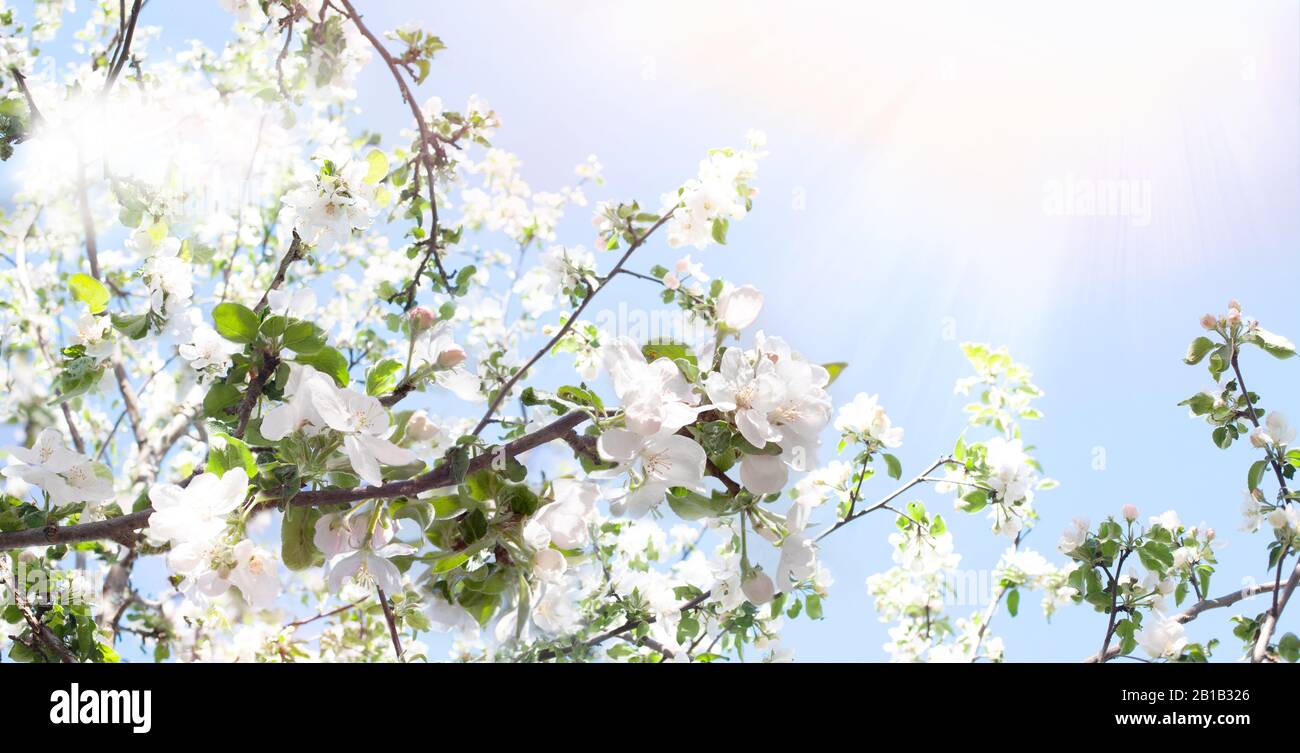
(1130, 513)
(421, 319)
(451, 357)
(671, 282)
(419, 427)
(1234, 304)
(1209, 321)
(1209, 534)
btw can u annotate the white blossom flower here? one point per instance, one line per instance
(662, 460)
(1162, 638)
(95, 334)
(207, 349)
(197, 511)
(1074, 536)
(65, 475)
(655, 396)
(254, 574)
(738, 307)
(864, 417)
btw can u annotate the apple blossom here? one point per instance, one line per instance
(739, 307)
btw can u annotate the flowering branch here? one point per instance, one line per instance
(501, 393)
(39, 629)
(426, 160)
(1192, 613)
(443, 475)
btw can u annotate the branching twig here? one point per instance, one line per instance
(39, 629)
(392, 621)
(1193, 612)
(441, 476)
(568, 324)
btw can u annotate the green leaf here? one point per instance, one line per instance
(226, 452)
(378, 167)
(134, 327)
(691, 505)
(1013, 602)
(813, 605)
(220, 397)
(329, 361)
(450, 562)
(974, 501)
(89, 291)
(304, 338)
(720, 227)
(297, 534)
(1200, 403)
(235, 322)
(1197, 350)
(670, 350)
(1156, 556)
(519, 498)
(834, 369)
(894, 467)
(1274, 344)
(382, 377)
(1289, 648)
(1256, 474)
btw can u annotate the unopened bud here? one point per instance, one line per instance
(451, 357)
(1258, 438)
(758, 588)
(1130, 513)
(419, 427)
(1209, 321)
(421, 319)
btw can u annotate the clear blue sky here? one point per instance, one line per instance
(912, 151)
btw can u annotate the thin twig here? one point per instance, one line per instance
(392, 622)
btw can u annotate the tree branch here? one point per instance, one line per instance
(1260, 651)
(392, 622)
(568, 325)
(427, 161)
(1193, 612)
(39, 629)
(121, 527)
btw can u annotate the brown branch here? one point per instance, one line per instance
(391, 620)
(37, 118)
(292, 255)
(918, 479)
(39, 629)
(131, 405)
(122, 528)
(427, 141)
(124, 52)
(323, 615)
(1280, 595)
(1193, 612)
(568, 324)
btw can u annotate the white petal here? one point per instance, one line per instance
(363, 463)
(619, 444)
(763, 474)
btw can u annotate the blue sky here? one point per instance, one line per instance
(915, 156)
